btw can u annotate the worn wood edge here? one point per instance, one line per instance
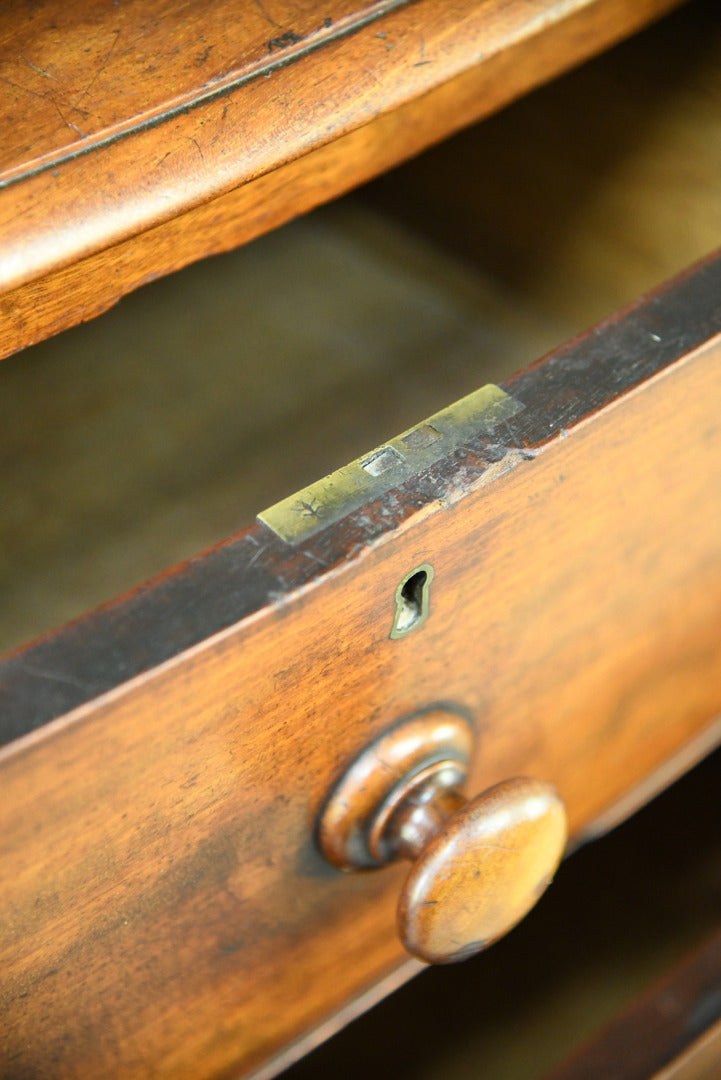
(256, 572)
(676, 1021)
(128, 191)
(694, 751)
(697, 1061)
(340, 1019)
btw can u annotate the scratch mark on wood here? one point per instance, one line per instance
(255, 558)
(65, 120)
(39, 70)
(101, 69)
(190, 138)
(422, 62)
(26, 89)
(315, 558)
(53, 676)
(264, 12)
(373, 75)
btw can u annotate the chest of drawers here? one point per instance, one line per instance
(168, 911)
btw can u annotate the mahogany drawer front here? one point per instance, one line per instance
(165, 829)
(167, 756)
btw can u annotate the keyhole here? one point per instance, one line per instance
(412, 600)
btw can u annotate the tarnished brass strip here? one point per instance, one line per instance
(328, 500)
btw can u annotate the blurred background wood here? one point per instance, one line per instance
(672, 1032)
(120, 126)
(586, 193)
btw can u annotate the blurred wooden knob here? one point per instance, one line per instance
(478, 866)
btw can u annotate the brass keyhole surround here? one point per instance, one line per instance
(413, 600)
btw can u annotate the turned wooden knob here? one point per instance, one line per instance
(478, 866)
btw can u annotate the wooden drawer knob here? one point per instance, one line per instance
(478, 866)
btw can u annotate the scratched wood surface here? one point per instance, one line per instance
(78, 73)
(163, 827)
(237, 131)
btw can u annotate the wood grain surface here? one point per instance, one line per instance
(78, 74)
(237, 132)
(167, 909)
(592, 190)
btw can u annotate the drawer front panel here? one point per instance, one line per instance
(166, 907)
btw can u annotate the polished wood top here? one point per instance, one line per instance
(204, 122)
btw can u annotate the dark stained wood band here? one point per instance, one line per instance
(243, 575)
